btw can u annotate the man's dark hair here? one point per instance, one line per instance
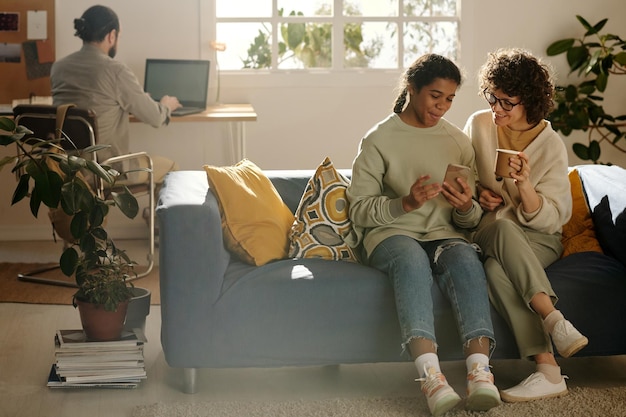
(96, 23)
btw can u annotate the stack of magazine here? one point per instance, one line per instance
(81, 363)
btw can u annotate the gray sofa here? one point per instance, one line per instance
(218, 312)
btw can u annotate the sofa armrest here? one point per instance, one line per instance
(192, 257)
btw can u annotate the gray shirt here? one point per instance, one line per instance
(91, 79)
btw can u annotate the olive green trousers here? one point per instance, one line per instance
(514, 258)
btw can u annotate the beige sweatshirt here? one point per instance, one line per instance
(548, 161)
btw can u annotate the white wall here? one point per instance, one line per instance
(303, 118)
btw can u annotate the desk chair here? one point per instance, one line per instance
(80, 126)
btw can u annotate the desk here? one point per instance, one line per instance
(235, 114)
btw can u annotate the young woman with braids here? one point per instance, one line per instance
(411, 221)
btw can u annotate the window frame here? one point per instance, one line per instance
(269, 77)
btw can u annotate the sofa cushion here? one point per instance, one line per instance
(578, 233)
(606, 182)
(322, 218)
(591, 288)
(255, 221)
(612, 236)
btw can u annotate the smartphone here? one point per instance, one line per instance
(453, 172)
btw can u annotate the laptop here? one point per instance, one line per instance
(185, 79)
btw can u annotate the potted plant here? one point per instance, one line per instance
(595, 56)
(51, 176)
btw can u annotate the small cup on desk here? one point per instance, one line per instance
(502, 168)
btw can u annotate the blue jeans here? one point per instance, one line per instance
(455, 266)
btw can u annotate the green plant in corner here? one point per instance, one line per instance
(595, 56)
(51, 176)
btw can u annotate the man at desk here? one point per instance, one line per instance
(91, 78)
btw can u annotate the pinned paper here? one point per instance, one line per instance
(10, 52)
(36, 22)
(34, 68)
(45, 53)
(9, 22)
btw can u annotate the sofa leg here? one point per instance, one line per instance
(189, 380)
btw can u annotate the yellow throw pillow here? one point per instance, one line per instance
(255, 220)
(322, 218)
(578, 233)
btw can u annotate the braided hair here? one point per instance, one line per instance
(424, 71)
(95, 23)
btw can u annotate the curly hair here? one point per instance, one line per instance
(519, 74)
(424, 71)
(95, 23)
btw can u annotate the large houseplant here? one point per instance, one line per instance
(596, 55)
(53, 177)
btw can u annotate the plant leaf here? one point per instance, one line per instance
(594, 150)
(295, 34)
(100, 171)
(34, 203)
(620, 58)
(597, 27)
(581, 151)
(586, 24)
(98, 214)
(21, 190)
(602, 81)
(577, 57)
(126, 202)
(79, 224)
(68, 262)
(559, 47)
(7, 124)
(47, 186)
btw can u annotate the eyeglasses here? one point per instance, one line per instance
(492, 100)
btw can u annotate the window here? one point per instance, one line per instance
(334, 34)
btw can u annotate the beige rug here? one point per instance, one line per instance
(581, 402)
(13, 290)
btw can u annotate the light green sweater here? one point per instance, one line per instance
(391, 157)
(548, 161)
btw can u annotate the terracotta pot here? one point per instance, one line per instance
(100, 324)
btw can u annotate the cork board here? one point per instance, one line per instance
(27, 48)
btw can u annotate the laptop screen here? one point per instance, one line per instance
(185, 79)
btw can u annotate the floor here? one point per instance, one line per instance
(26, 353)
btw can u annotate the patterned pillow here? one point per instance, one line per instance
(255, 220)
(322, 219)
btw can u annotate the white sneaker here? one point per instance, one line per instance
(535, 387)
(482, 394)
(439, 395)
(567, 339)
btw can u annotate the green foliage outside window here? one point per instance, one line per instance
(310, 44)
(303, 44)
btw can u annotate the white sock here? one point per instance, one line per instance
(480, 358)
(431, 360)
(552, 319)
(552, 372)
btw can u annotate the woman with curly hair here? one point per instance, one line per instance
(520, 232)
